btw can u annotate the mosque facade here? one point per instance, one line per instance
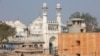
(40, 30)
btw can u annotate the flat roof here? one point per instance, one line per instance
(77, 19)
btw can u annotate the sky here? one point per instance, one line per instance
(29, 10)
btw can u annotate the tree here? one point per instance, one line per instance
(89, 19)
(75, 15)
(6, 31)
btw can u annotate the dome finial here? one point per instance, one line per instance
(58, 6)
(45, 6)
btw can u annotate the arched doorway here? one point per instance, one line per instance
(51, 44)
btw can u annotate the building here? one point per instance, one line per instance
(21, 29)
(76, 25)
(48, 30)
(28, 48)
(21, 33)
(69, 39)
(39, 30)
(79, 44)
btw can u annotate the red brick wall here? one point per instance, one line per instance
(89, 44)
(98, 44)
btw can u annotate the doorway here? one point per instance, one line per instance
(50, 48)
(52, 45)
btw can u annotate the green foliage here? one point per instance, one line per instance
(6, 31)
(89, 19)
(75, 15)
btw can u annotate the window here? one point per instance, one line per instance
(37, 35)
(81, 30)
(25, 29)
(78, 22)
(23, 45)
(52, 27)
(30, 45)
(17, 36)
(78, 42)
(78, 54)
(35, 45)
(41, 45)
(65, 49)
(73, 22)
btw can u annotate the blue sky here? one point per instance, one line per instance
(28, 10)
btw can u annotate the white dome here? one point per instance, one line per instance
(39, 18)
(19, 24)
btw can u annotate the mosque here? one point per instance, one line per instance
(42, 32)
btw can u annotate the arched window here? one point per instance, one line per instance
(23, 45)
(41, 45)
(35, 45)
(30, 45)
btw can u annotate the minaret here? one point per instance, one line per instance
(46, 45)
(58, 8)
(45, 7)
